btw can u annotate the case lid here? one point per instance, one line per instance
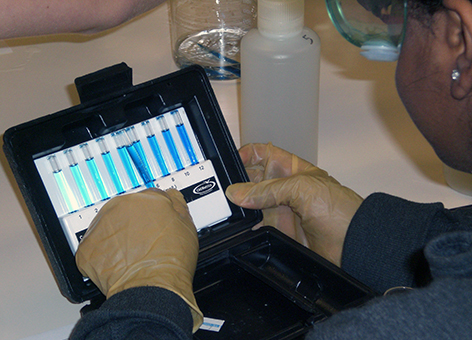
(63, 162)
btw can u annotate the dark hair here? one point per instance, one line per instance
(420, 8)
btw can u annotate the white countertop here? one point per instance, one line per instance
(366, 139)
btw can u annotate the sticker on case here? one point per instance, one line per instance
(213, 325)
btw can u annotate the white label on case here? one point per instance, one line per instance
(213, 325)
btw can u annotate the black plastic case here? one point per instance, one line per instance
(260, 283)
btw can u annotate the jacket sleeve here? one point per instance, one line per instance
(441, 310)
(137, 313)
(385, 240)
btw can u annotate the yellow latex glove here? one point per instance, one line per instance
(297, 198)
(143, 239)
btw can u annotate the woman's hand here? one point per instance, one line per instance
(297, 198)
(142, 239)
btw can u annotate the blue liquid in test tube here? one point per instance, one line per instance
(131, 133)
(79, 178)
(184, 137)
(92, 166)
(136, 152)
(64, 188)
(155, 148)
(120, 139)
(108, 160)
(170, 142)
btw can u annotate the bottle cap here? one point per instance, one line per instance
(280, 17)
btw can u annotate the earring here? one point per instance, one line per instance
(455, 74)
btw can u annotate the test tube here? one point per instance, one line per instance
(110, 164)
(92, 166)
(136, 152)
(120, 140)
(79, 178)
(155, 148)
(184, 137)
(170, 142)
(64, 188)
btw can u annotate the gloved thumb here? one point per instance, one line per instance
(271, 193)
(245, 195)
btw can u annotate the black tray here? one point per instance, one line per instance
(264, 285)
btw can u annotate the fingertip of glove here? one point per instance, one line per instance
(230, 193)
(245, 153)
(174, 193)
(236, 193)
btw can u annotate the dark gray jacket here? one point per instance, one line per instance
(393, 242)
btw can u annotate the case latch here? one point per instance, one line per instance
(108, 80)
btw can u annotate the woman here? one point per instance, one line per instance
(383, 241)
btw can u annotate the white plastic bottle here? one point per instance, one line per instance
(280, 62)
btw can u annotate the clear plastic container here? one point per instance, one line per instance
(208, 33)
(280, 64)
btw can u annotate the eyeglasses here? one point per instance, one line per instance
(376, 26)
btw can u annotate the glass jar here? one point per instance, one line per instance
(208, 33)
